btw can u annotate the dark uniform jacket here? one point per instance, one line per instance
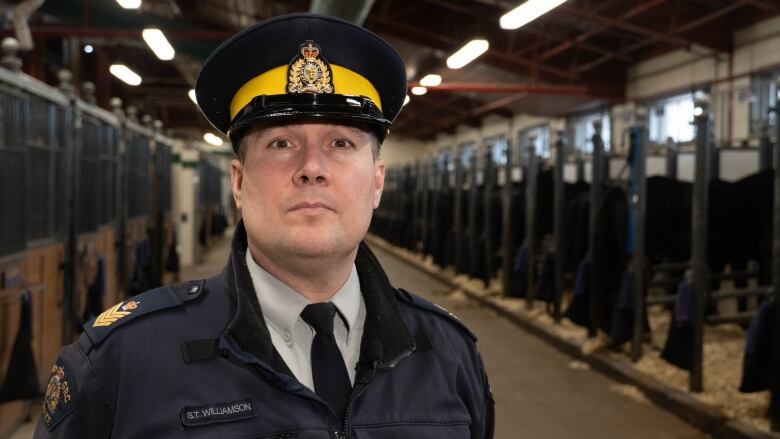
(196, 361)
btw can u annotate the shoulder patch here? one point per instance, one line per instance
(427, 305)
(61, 395)
(145, 303)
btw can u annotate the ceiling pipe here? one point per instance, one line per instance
(21, 14)
(355, 11)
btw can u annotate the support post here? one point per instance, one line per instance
(531, 172)
(457, 205)
(488, 183)
(507, 233)
(472, 213)
(596, 189)
(774, 389)
(425, 203)
(580, 166)
(765, 159)
(671, 158)
(73, 154)
(638, 206)
(416, 203)
(700, 205)
(559, 199)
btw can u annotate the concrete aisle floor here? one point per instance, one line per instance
(539, 392)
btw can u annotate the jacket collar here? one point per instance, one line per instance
(384, 324)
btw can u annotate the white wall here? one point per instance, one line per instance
(757, 48)
(398, 151)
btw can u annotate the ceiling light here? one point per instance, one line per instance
(129, 4)
(212, 139)
(88, 48)
(191, 94)
(158, 43)
(467, 53)
(527, 12)
(124, 73)
(430, 80)
(419, 91)
(406, 100)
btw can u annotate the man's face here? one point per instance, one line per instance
(307, 190)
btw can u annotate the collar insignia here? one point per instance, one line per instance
(115, 313)
(309, 72)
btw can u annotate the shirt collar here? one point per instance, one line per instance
(282, 305)
(347, 299)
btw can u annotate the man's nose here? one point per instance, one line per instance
(312, 168)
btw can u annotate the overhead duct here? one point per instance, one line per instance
(355, 11)
(20, 13)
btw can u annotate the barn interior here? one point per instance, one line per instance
(600, 175)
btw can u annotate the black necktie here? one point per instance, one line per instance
(331, 381)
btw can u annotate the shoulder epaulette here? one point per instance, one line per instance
(427, 305)
(151, 301)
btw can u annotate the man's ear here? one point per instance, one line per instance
(236, 180)
(379, 181)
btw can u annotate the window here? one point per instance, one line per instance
(466, 155)
(498, 146)
(541, 138)
(763, 97)
(444, 160)
(580, 131)
(671, 117)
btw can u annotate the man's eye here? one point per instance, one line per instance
(342, 143)
(281, 143)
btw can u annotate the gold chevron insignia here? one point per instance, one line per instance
(110, 316)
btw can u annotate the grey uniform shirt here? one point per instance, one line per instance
(292, 337)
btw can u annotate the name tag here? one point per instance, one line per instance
(217, 412)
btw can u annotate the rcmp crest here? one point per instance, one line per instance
(309, 72)
(60, 396)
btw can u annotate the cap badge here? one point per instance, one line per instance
(309, 72)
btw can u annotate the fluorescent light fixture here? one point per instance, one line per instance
(527, 12)
(129, 4)
(430, 80)
(124, 73)
(406, 100)
(212, 139)
(88, 48)
(419, 91)
(467, 53)
(191, 94)
(159, 44)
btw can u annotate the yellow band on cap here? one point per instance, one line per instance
(274, 82)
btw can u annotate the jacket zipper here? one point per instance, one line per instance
(346, 426)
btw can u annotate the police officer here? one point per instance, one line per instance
(302, 335)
